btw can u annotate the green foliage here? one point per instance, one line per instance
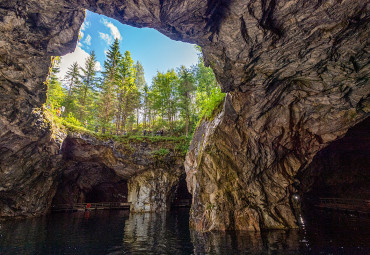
(161, 152)
(72, 120)
(120, 102)
(212, 103)
(56, 93)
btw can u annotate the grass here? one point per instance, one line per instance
(179, 144)
(161, 152)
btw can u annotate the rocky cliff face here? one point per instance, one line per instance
(95, 170)
(299, 72)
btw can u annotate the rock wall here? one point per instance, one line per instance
(243, 164)
(96, 170)
(153, 191)
(30, 33)
(299, 71)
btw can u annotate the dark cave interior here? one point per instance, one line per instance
(341, 170)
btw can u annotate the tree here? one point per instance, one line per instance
(185, 90)
(140, 84)
(146, 105)
(126, 90)
(208, 95)
(107, 94)
(55, 94)
(165, 96)
(87, 87)
(72, 79)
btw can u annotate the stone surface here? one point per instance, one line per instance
(153, 191)
(95, 170)
(298, 69)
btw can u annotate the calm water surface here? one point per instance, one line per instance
(118, 232)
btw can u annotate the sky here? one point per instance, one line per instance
(155, 51)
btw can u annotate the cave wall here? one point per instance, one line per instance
(297, 73)
(97, 170)
(90, 182)
(153, 191)
(30, 33)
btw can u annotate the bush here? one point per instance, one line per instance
(72, 120)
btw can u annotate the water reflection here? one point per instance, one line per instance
(271, 242)
(161, 233)
(118, 232)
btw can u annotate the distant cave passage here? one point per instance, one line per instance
(182, 196)
(341, 170)
(90, 182)
(108, 192)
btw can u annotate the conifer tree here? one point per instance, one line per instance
(185, 89)
(107, 95)
(126, 90)
(72, 79)
(55, 94)
(140, 84)
(87, 87)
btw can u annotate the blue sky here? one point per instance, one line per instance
(155, 51)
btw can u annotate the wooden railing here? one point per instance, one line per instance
(90, 206)
(345, 204)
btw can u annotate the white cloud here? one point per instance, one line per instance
(85, 25)
(113, 29)
(107, 38)
(79, 56)
(81, 34)
(98, 66)
(88, 40)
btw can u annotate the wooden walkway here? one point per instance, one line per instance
(356, 206)
(90, 206)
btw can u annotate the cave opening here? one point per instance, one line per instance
(108, 192)
(339, 175)
(134, 109)
(112, 83)
(182, 198)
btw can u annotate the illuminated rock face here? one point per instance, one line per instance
(297, 73)
(95, 170)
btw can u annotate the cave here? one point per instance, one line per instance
(182, 197)
(341, 170)
(107, 192)
(296, 74)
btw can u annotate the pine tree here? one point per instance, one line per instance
(87, 87)
(140, 84)
(107, 95)
(185, 89)
(126, 90)
(72, 79)
(55, 94)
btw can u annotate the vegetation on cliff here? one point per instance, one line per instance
(119, 102)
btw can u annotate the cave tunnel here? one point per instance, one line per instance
(107, 192)
(341, 170)
(90, 182)
(182, 197)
